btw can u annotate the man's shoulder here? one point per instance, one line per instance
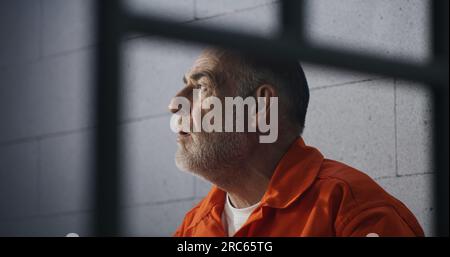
(356, 191)
(359, 186)
(335, 170)
(359, 197)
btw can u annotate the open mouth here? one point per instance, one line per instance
(183, 134)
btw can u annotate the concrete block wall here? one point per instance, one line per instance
(376, 124)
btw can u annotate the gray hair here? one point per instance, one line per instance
(287, 77)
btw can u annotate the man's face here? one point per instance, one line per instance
(207, 153)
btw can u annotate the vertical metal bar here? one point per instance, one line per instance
(292, 19)
(107, 137)
(440, 117)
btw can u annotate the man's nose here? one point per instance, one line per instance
(173, 107)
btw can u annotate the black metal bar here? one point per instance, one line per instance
(292, 20)
(107, 135)
(431, 73)
(440, 43)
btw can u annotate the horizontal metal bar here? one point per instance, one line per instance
(435, 73)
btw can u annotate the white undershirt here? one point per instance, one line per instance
(233, 218)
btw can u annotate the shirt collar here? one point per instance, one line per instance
(294, 174)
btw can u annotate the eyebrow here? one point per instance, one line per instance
(196, 76)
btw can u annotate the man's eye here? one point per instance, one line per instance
(202, 87)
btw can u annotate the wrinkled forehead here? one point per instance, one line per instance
(214, 66)
(207, 62)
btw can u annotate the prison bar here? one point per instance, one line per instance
(431, 73)
(292, 20)
(439, 29)
(106, 219)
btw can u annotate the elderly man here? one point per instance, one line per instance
(282, 188)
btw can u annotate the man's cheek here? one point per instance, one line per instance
(196, 119)
(196, 113)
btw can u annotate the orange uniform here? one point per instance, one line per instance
(310, 196)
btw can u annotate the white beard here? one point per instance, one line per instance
(207, 154)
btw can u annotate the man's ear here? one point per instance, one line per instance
(265, 91)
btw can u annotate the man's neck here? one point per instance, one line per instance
(251, 185)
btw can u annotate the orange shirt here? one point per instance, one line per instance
(310, 196)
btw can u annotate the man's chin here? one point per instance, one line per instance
(182, 160)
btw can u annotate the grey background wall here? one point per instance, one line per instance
(379, 125)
